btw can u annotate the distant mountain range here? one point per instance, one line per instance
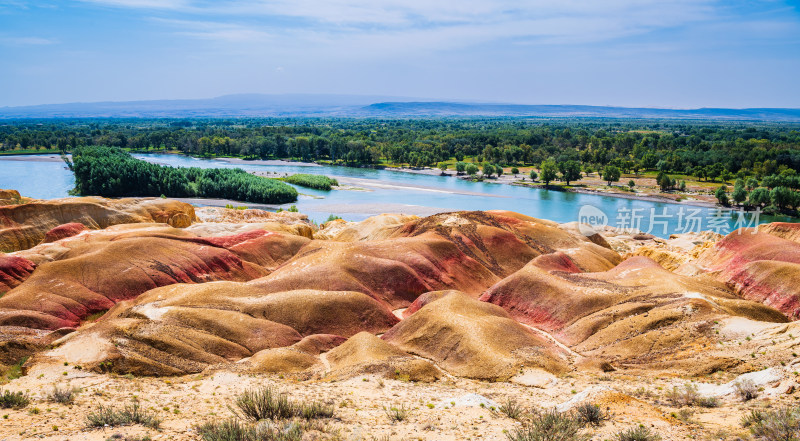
(369, 106)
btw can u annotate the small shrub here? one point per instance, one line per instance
(62, 396)
(397, 414)
(549, 426)
(264, 404)
(684, 415)
(752, 418)
(689, 396)
(778, 425)
(267, 404)
(707, 402)
(315, 410)
(591, 414)
(14, 400)
(746, 389)
(130, 414)
(638, 433)
(512, 409)
(121, 437)
(332, 217)
(233, 430)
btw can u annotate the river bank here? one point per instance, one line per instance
(506, 179)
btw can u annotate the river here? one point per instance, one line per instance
(380, 191)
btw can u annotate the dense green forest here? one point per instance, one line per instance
(763, 156)
(111, 171)
(705, 149)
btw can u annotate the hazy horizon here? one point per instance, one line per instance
(673, 54)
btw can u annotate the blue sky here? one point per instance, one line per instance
(648, 53)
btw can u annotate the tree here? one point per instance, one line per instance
(533, 175)
(722, 195)
(514, 171)
(488, 170)
(664, 181)
(781, 197)
(751, 184)
(472, 169)
(498, 170)
(631, 184)
(700, 172)
(611, 174)
(460, 167)
(739, 194)
(758, 197)
(570, 171)
(548, 170)
(443, 166)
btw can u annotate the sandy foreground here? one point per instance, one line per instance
(449, 409)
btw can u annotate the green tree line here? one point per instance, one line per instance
(113, 172)
(707, 150)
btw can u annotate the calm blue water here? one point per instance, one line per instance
(52, 179)
(43, 180)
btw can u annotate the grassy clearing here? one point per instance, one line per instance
(318, 182)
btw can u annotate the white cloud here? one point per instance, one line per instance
(431, 25)
(442, 24)
(26, 41)
(210, 30)
(143, 4)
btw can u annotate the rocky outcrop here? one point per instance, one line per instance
(24, 226)
(84, 275)
(373, 228)
(761, 265)
(13, 271)
(9, 197)
(64, 231)
(487, 295)
(474, 339)
(614, 314)
(465, 251)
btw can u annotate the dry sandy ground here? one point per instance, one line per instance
(183, 402)
(33, 158)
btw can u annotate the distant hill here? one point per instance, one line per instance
(366, 106)
(566, 111)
